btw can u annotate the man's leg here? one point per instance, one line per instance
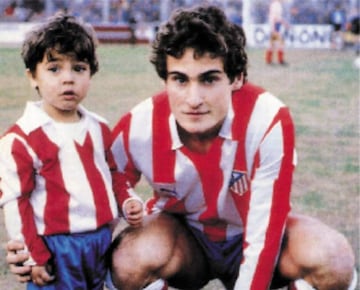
(161, 248)
(316, 253)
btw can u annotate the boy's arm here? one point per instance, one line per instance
(124, 173)
(17, 183)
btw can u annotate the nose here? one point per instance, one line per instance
(67, 76)
(194, 96)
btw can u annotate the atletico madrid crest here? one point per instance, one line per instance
(238, 182)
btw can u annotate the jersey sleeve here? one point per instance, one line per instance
(269, 203)
(17, 183)
(124, 173)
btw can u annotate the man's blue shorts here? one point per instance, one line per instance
(224, 258)
(79, 260)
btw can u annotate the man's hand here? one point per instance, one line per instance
(16, 259)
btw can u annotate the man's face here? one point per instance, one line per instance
(199, 92)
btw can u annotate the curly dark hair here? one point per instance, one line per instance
(64, 34)
(206, 30)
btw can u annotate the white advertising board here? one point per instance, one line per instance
(296, 36)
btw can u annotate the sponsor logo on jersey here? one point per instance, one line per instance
(166, 189)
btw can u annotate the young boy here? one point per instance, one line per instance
(57, 172)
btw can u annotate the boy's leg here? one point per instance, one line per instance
(80, 259)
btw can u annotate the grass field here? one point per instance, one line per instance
(320, 87)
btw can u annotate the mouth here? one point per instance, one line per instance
(69, 95)
(196, 113)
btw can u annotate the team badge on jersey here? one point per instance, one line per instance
(238, 182)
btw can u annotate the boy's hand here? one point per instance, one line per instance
(15, 258)
(40, 276)
(134, 212)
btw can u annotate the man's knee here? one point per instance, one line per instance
(161, 248)
(138, 254)
(317, 253)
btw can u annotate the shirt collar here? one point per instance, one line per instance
(35, 117)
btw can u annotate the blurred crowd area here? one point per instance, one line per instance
(136, 11)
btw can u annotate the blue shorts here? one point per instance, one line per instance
(224, 258)
(278, 26)
(79, 260)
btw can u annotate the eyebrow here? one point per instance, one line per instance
(209, 72)
(51, 58)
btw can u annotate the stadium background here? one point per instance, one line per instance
(121, 11)
(115, 20)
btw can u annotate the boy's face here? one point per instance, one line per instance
(62, 82)
(199, 92)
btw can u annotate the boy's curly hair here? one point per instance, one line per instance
(206, 30)
(64, 34)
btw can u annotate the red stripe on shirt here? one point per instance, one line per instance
(244, 100)
(57, 198)
(280, 204)
(99, 192)
(211, 175)
(163, 156)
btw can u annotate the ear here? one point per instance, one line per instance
(31, 78)
(238, 82)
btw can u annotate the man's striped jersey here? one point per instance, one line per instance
(241, 185)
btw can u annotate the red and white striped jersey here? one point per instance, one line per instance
(55, 177)
(241, 185)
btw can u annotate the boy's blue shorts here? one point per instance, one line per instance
(79, 260)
